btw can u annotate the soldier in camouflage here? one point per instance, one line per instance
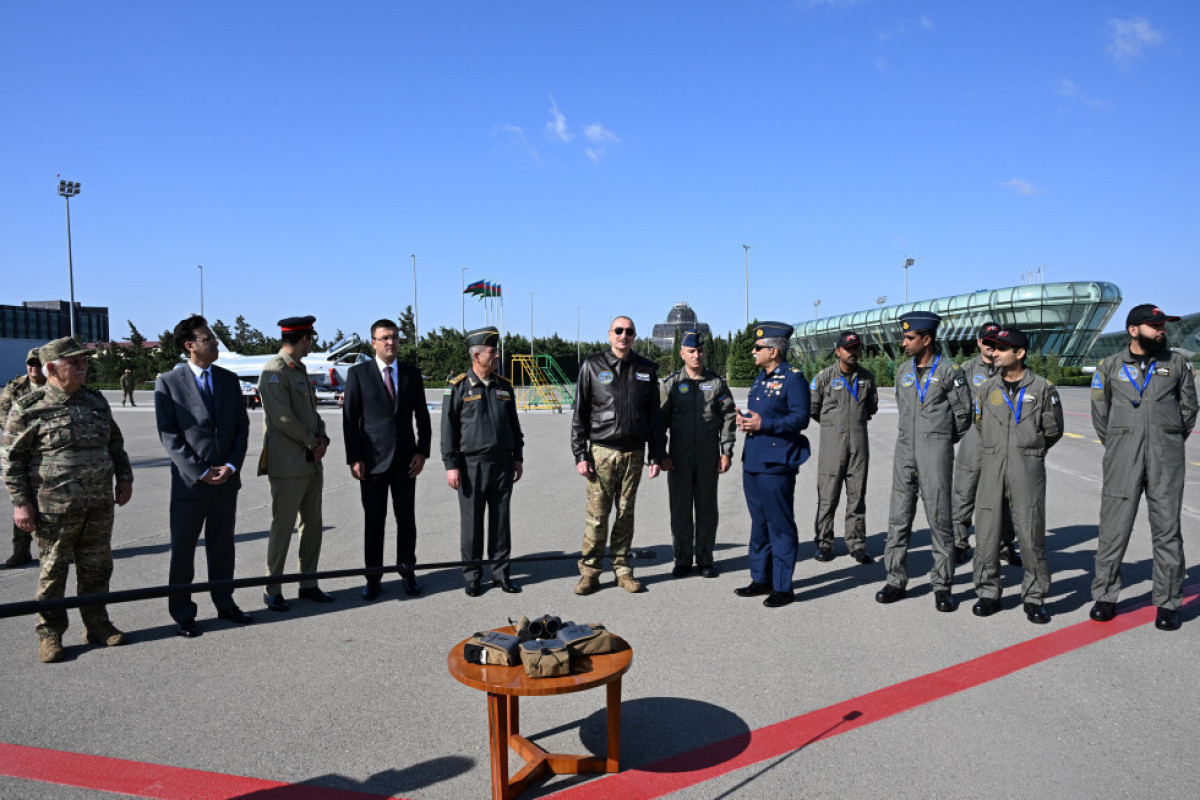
(127, 384)
(16, 389)
(62, 451)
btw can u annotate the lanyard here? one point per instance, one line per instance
(1140, 389)
(921, 390)
(852, 387)
(1020, 399)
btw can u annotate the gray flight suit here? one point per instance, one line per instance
(1013, 478)
(701, 419)
(924, 463)
(966, 458)
(843, 408)
(1144, 436)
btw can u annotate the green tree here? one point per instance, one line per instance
(137, 357)
(407, 347)
(107, 366)
(742, 368)
(168, 353)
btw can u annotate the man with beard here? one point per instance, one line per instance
(844, 399)
(1143, 409)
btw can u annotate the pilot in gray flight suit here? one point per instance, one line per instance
(1143, 409)
(1018, 417)
(934, 413)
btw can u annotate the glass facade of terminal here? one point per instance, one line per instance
(1060, 319)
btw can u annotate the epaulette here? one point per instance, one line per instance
(457, 379)
(797, 371)
(672, 375)
(26, 400)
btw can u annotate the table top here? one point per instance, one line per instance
(593, 671)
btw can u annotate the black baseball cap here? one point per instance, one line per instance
(848, 339)
(987, 329)
(1147, 314)
(1008, 337)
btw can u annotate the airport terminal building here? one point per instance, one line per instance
(1061, 319)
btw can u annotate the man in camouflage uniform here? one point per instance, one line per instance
(16, 389)
(966, 458)
(1143, 409)
(843, 399)
(699, 414)
(616, 414)
(62, 450)
(127, 384)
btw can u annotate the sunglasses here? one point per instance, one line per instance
(623, 331)
(758, 347)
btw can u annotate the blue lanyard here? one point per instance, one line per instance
(921, 390)
(853, 388)
(1140, 389)
(1020, 399)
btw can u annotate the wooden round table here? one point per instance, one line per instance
(506, 685)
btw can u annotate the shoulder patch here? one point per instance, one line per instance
(813, 386)
(1097, 381)
(457, 378)
(797, 371)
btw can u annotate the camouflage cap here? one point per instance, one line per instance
(33, 358)
(62, 348)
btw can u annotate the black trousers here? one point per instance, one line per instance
(215, 515)
(375, 490)
(484, 493)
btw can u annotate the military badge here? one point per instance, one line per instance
(1097, 383)
(837, 383)
(605, 378)
(684, 388)
(909, 379)
(979, 379)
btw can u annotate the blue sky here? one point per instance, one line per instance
(611, 158)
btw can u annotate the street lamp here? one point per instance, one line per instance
(201, 268)
(746, 248)
(531, 294)
(816, 303)
(67, 190)
(908, 262)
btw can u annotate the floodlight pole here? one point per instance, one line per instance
(908, 262)
(531, 294)
(816, 303)
(67, 190)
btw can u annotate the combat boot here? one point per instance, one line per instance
(587, 584)
(629, 583)
(20, 557)
(106, 634)
(50, 648)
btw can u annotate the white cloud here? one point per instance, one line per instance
(515, 137)
(598, 133)
(1065, 87)
(1021, 187)
(1129, 37)
(905, 27)
(557, 127)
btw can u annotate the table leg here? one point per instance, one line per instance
(498, 716)
(614, 726)
(514, 715)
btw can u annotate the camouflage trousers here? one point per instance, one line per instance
(615, 482)
(22, 540)
(82, 536)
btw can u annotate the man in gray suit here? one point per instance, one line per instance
(203, 424)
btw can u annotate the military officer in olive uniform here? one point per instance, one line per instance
(17, 388)
(1018, 417)
(934, 406)
(62, 451)
(1143, 409)
(294, 443)
(777, 410)
(700, 417)
(482, 447)
(844, 399)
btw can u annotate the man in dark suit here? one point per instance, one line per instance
(203, 424)
(383, 399)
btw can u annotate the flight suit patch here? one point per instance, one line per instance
(643, 376)
(979, 379)
(1097, 383)
(684, 388)
(837, 383)
(706, 387)
(605, 378)
(909, 379)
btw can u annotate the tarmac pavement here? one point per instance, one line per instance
(356, 696)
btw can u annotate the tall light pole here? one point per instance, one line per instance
(531, 294)
(816, 303)
(67, 190)
(464, 299)
(908, 262)
(746, 248)
(201, 268)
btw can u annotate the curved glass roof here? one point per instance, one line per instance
(1061, 319)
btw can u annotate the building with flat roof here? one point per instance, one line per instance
(1061, 319)
(35, 322)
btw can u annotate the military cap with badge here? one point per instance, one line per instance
(919, 321)
(483, 337)
(66, 347)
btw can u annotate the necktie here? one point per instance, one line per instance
(206, 393)
(389, 383)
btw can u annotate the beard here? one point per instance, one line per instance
(1152, 345)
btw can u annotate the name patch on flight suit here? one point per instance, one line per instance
(643, 376)
(1163, 371)
(706, 387)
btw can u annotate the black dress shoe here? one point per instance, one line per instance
(187, 629)
(779, 599)
(681, 570)
(709, 572)
(962, 554)
(411, 587)
(986, 606)
(1102, 611)
(507, 586)
(862, 557)
(473, 589)
(1167, 620)
(275, 602)
(890, 594)
(1036, 614)
(944, 601)
(824, 554)
(315, 594)
(1010, 555)
(753, 590)
(236, 616)
(371, 591)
